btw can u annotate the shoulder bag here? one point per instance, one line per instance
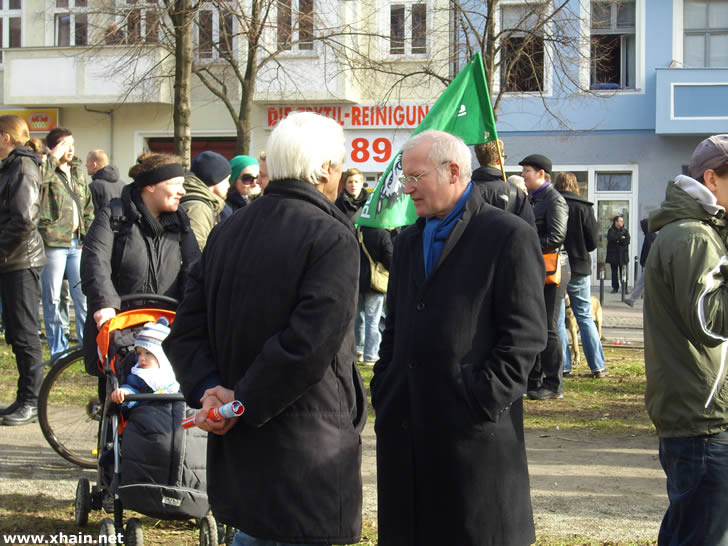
(378, 273)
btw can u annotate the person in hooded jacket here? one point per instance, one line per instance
(106, 181)
(205, 189)
(141, 243)
(21, 261)
(353, 196)
(686, 333)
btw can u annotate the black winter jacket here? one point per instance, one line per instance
(351, 205)
(290, 468)
(618, 246)
(106, 185)
(379, 246)
(21, 245)
(647, 243)
(502, 194)
(552, 215)
(123, 255)
(582, 233)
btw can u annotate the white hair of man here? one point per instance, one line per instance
(302, 144)
(445, 148)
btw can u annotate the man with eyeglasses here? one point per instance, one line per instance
(465, 322)
(244, 185)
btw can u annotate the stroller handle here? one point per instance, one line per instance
(161, 397)
(152, 298)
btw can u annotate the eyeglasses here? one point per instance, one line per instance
(248, 179)
(414, 180)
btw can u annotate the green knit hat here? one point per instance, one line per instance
(238, 163)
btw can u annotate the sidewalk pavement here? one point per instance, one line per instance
(622, 324)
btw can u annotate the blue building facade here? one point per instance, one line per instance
(661, 88)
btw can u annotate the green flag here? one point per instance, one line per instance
(464, 109)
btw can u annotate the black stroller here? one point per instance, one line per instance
(146, 461)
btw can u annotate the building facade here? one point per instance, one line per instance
(622, 103)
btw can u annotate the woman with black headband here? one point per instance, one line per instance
(140, 243)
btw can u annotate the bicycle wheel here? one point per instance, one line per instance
(69, 410)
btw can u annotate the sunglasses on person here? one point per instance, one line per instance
(248, 179)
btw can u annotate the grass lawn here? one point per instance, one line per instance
(612, 405)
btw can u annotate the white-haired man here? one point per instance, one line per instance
(465, 321)
(289, 469)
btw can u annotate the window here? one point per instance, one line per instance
(614, 181)
(613, 44)
(215, 32)
(71, 22)
(522, 48)
(295, 24)
(408, 29)
(10, 25)
(706, 33)
(141, 24)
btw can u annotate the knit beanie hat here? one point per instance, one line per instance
(151, 337)
(238, 163)
(210, 167)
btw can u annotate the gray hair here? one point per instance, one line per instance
(301, 144)
(445, 147)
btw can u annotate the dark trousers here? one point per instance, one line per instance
(548, 371)
(616, 275)
(697, 486)
(20, 291)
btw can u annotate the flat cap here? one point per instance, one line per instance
(538, 161)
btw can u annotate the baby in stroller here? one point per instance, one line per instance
(152, 372)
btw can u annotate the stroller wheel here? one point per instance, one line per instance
(106, 531)
(134, 535)
(208, 531)
(82, 505)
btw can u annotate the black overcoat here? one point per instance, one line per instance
(618, 246)
(455, 357)
(270, 309)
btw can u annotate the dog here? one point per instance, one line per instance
(573, 327)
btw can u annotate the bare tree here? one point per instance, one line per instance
(537, 46)
(248, 53)
(157, 50)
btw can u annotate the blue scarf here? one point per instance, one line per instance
(437, 231)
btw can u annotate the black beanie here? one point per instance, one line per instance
(210, 167)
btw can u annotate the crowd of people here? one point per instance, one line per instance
(472, 313)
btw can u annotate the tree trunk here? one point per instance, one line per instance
(183, 19)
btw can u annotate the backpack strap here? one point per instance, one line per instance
(188, 198)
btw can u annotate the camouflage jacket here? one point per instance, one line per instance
(56, 205)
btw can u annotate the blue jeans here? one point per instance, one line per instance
(697, 487)
(564, 335)
(242, 539)
(62, 260)
(366, 326)
(579, 290)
